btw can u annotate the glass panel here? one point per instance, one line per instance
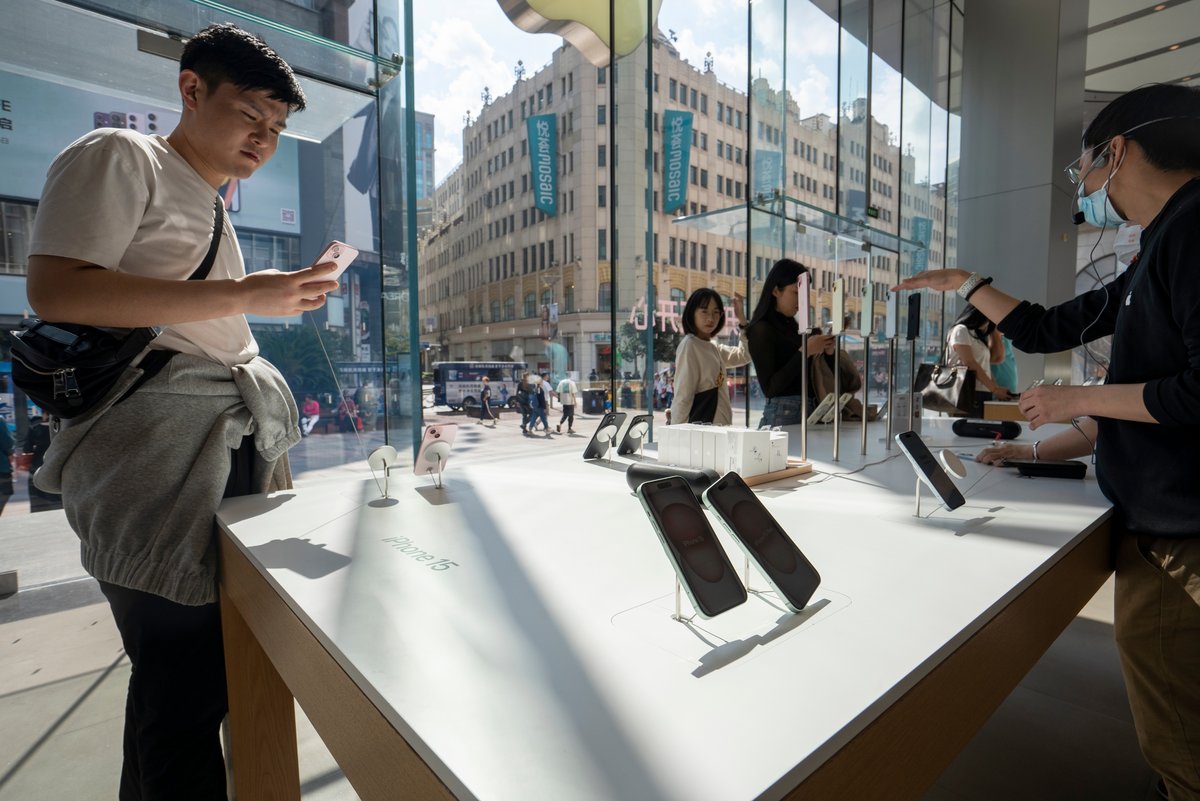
(65, 71)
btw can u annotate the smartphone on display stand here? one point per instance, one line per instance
(435, 448)
(691, 545)
(838, 316)
(914, 317)
(928, 469)
(605, 436)
(802, 294)
(866, 325)
(634, 435)
(757, 533)
(338, 253)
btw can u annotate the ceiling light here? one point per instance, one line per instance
(1160, 6)
(1173, 47)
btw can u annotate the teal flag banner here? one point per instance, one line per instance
(543, 154)
(677, 146)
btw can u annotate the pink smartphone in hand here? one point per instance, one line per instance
(338, 253)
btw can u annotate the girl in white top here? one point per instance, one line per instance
(975, 343)
(700, 363)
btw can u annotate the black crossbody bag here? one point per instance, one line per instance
(67, 368)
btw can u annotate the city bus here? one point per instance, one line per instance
(457, 384)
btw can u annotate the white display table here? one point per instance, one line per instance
(510, 636)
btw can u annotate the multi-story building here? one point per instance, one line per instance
(498, 275)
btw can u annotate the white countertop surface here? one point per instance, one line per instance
(516, 625)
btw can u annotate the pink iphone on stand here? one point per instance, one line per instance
(435, 448)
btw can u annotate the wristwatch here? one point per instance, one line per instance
(1035, 453)
(973, 282)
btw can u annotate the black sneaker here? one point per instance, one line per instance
(558, 429)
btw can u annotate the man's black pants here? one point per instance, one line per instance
(177, 697)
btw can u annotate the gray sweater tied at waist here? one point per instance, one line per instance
(141, 480)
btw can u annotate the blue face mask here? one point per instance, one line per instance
(1096, 208)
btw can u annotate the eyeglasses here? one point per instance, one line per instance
(1073, 170)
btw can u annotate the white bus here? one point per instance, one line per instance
(458, 384)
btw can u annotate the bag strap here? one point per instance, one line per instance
(218, 228)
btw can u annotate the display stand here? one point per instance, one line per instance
(382, 459)
(437, 453)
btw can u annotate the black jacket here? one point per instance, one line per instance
(775, 344)
(1149, 471)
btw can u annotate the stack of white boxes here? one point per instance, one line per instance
(745, 451)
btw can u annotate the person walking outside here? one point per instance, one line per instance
(538, 404)
(485, 402)
(567, 392)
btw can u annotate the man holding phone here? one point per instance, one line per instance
(123, 221)
(1139, 164)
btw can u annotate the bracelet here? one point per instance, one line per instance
(973, 282)
(1035, 447)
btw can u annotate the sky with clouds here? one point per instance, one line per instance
(466, 45)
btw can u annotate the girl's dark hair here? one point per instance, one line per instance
(699, 300)
(225, 53)
(976, 322)
(1170, 116)
(784, 273)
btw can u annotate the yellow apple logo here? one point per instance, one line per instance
(585, 23)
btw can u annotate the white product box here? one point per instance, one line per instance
(668, 444)
(697, 441)
(749, 451)
(779, 451)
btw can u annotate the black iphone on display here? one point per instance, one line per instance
(700, 562)
(632, 441)
(605, 436)
(928, 469)
(762, 538)
(914, 316)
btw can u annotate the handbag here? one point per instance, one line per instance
(68, 368)
(946, 388)
(704, 406)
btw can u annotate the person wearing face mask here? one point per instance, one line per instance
(700, 363)
(776, 343)
(1140, 164)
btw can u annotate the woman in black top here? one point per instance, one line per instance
(775, 342)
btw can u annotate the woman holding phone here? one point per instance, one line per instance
(700, 363)
(776, 345)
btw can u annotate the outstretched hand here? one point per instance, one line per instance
(939, 280)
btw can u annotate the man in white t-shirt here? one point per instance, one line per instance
(567, 392)
(124, 219)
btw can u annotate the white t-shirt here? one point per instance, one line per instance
(129, 202)
(567, 390)
(960, 335)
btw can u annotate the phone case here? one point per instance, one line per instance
(340, 254)
(841, 404)
(632, 441)
(605, 435)
(704, 571)
(823, 408)
(435, 448)
(928, 470)
(763, 540)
